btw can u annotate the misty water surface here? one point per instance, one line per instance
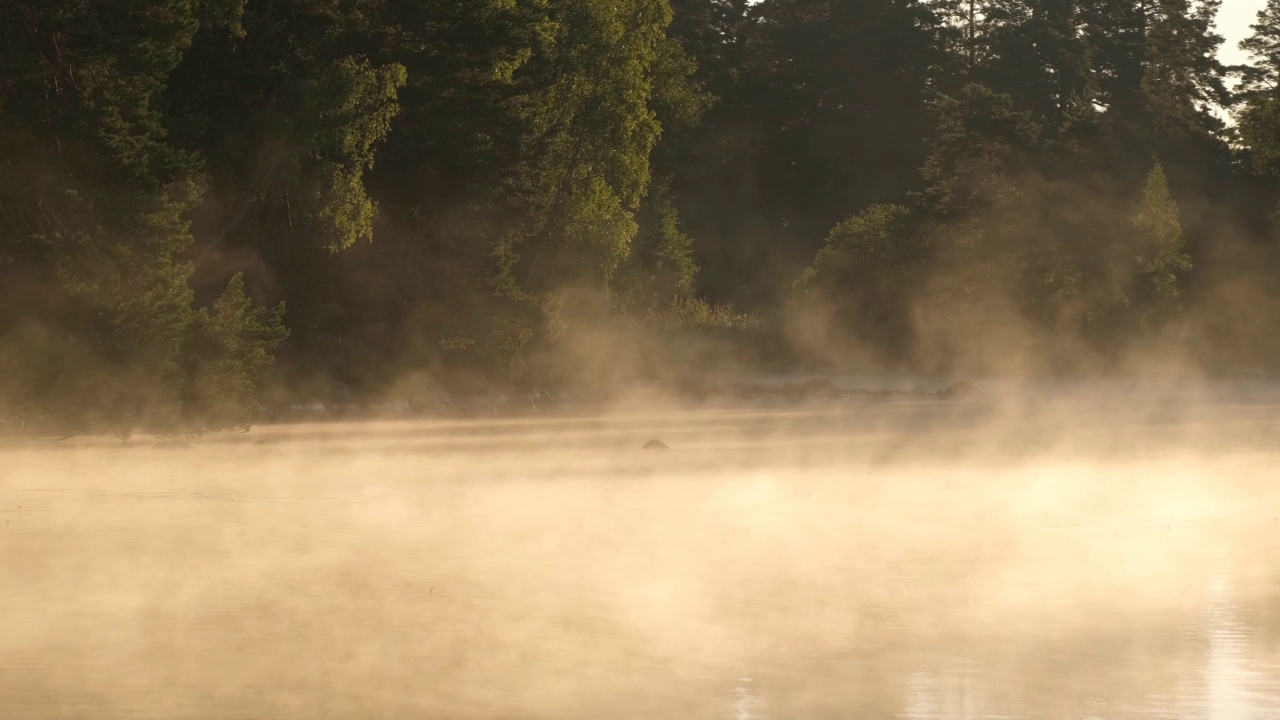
(903, 559)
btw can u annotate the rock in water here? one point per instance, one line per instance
(962, 389)
(172, 445)
(655, 444)
(819, 387)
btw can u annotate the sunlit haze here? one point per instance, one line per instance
(638, 360)
(1010, 555)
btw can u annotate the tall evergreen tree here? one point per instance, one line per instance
(1262, 74)
(1162, 254)
(95, 309)
(1038, 55)
(1259, 117)
(1182, 82)
(826, 117)
(1115, 31)
(427, 184)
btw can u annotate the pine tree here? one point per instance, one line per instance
(1259, 117)
(1115, 33)
(1163, 255)
(231, 341)
(1182, 81)
(95, 201)
(980, 142)
(1038, 56)
(1262, 74)
(92, 204)
(1157, 62)
(961, 38)
(829, 119)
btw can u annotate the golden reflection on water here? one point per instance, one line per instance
(913, 562)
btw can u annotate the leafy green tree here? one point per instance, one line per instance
(95, 304)
(288, 106)
(287, 110)
(715, 35)
(589, 104)
(230, 342)
(870, 245)
(660, 266)
(1163, 257)
(590, 132)
(865, 276)
(92, 204)
(434, 187)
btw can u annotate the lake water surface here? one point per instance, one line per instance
(877, 560)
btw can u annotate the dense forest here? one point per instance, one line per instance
(209, 205)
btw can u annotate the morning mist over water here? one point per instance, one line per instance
(497, 359)
(1004, 555)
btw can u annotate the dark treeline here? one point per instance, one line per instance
(205, 200)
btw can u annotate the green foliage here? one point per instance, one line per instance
(975, 151)
(1259, 118)
(1262, 76)
(1163, 253)
(872, 244)
(698, 314)
(457, 183)
(229, 343)
(865, 274)
(1259, 129)
(1182, 78)
(1035, 52)
(589, 132)
(1113, 32)
(92, 208)
(358, 105)
(661, 262)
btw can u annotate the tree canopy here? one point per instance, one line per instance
(203, 200)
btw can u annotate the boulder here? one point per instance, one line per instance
(962, 389)
(819, 387)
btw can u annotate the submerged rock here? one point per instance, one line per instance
(819, 387)
(655, 444)
(962, 389)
